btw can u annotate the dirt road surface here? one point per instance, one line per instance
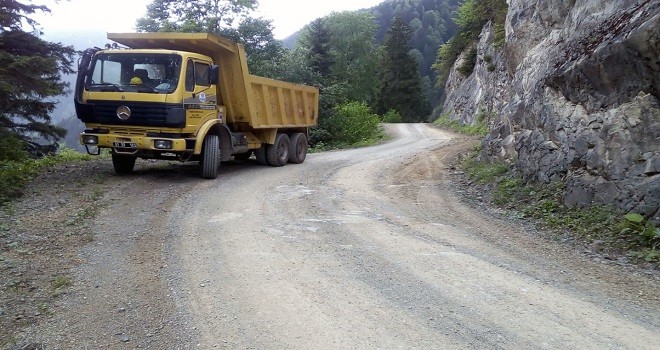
(359, 249)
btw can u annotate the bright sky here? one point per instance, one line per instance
(120, 15)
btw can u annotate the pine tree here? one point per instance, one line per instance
(30, 71)
(400, 81)
(320, 55)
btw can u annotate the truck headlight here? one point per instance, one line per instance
(163, 144)
(90, 140)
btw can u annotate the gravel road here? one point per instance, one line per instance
(366, 249)
(359, 249)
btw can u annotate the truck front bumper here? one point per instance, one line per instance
(133, 143)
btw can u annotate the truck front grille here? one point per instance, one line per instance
(142, 114)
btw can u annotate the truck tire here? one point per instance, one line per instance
(123, 164)
(211, 156)
(260, 154)
(278, 153)
(298, 148)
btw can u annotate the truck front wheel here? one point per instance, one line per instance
(211, 157)
(123, 164)
(278, 153)
(298, 148)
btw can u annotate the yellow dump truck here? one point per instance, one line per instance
(188, 97)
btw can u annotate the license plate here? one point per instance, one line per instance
(124, 144)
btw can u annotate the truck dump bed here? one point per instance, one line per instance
(260, 102)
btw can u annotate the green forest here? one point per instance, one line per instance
(383, 64)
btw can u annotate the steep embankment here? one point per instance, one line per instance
(573, 96)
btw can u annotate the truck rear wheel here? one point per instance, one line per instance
(278, 153)
(123, 164)
(211, 160)
(298, 148)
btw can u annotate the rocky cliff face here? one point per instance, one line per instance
(573, 96)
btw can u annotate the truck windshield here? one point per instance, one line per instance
(135, 72)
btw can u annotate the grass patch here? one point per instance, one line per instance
(88, 237)
(484, 173)
(44, 309)
(16, 174)
(629, 233)
(480, 127)
(84, 214)
(18, 248)
(90, 210)
(60, 283)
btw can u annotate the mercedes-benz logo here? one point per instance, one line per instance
(123, 112)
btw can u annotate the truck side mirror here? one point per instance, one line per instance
(214, 74)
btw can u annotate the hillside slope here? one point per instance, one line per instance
(573, 97)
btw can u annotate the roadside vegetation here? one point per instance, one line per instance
(340, 56)
(17, 170)
(351, 125)
(479, 128)
(602, 227)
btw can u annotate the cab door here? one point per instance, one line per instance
(200, 100)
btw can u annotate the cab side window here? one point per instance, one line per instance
(197, 73)
(202, 74)
(190, 76)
